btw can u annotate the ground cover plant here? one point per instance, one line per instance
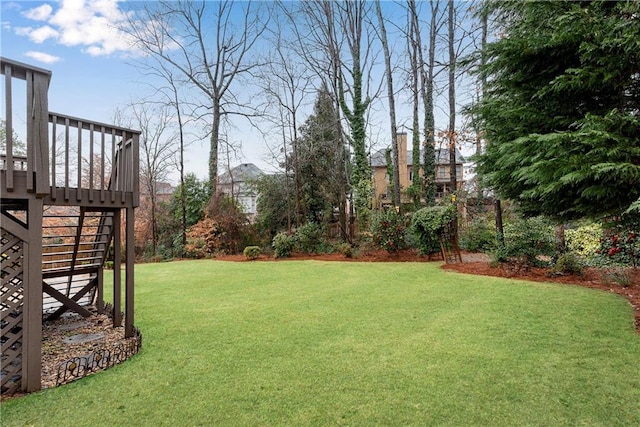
(319, 343)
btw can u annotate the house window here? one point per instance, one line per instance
(442, 172)
(410, 175)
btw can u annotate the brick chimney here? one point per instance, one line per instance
(401, 140)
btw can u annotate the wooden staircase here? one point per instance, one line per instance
(75, 244)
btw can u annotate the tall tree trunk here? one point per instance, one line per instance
(296, 175)
(483, 61)
(560, 239)
(286, 176)
(451, 132)
(392, 107)
(415, 56)
(429, 160)
(213, 155)
(352, 19)
(183, 199)
(497, 205)
(452, 119)
(154, 221)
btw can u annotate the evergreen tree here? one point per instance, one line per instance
(320, 155)
(197, 194)
(561, 111)
(276, 205)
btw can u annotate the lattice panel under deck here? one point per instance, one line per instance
(11, 296)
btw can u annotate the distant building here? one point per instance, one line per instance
(383, 188)
(237, 184)
(164, 191)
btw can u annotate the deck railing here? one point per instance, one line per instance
(97, 157)
(37, 153)
(64, 153)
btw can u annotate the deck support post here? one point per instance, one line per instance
(32, 308)
(117, 272)
(100, 291)
(130, 260)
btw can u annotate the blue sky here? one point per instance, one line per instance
(89, 59)
(89, 77)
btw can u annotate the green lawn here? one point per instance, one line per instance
(318, 343)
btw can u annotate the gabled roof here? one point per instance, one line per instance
(378, 158)
(241, 173)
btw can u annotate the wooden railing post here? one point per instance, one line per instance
(37, 130)
(8, 76)
(136, 169)
(37, 106)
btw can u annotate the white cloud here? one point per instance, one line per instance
(6, 25)
(43, 57)
(23, 31)
(41, 34)
(40, 13)
(11, 5)
(89, 24)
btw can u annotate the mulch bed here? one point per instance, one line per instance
(73, 336)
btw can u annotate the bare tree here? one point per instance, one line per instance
(392, 106)
(421, 78)
(344, 39)
(210, 51)
(157, 153)
(427, 90)
(319, 39)
(169, 96)
(285, 81)
(415, 57)
(451, 130)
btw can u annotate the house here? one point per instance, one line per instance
(383, 187)
(164, 191)
(236, 183)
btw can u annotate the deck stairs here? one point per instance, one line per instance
(75, 244)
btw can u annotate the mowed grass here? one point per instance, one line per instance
(317, 343)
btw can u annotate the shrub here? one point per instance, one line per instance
(345, 249)
(623, 248)
(569, 263)
(309, 237)
(618, 275)
(365, 245)
(283, 243)
(388, 230)
(252, 252)
(479, 236)
(429, 224)
(525, 241)
(200, 238)
(584, 240)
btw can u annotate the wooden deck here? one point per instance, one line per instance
(68, 197)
